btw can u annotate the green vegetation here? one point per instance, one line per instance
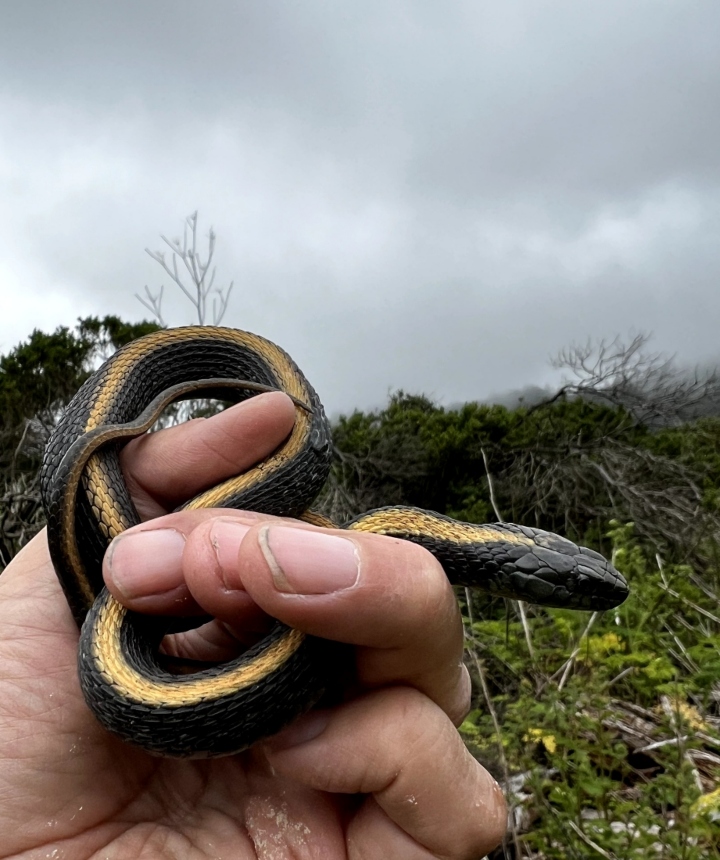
(613, 724)
(604, 729)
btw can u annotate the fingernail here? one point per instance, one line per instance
(146, 562)
(226, 535)
(304, 729)
(305, 561)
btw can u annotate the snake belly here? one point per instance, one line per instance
(224, 709)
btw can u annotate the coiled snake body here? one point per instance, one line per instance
(224, 709)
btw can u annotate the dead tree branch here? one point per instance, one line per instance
(653, 389)
(200, 290)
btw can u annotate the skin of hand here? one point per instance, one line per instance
(382, 775)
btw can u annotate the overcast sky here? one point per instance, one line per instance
(420, 195)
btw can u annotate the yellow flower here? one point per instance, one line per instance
(538, 736)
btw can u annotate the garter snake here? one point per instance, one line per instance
(223, 709)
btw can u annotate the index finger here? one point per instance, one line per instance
(166, 468)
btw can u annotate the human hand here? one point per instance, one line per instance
(384, 774)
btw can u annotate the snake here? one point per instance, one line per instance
(222, 709)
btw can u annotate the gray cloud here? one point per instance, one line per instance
(419, 195)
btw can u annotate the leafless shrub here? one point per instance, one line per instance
(654, 390)
(201, 274)
(576, 486)
(375, 478)
(21, 515)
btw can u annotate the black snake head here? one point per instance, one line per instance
(504, 559)
(553, 571)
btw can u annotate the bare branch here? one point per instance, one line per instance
(200, 273)
(153, 303)
(491, 487)
(648, 384)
